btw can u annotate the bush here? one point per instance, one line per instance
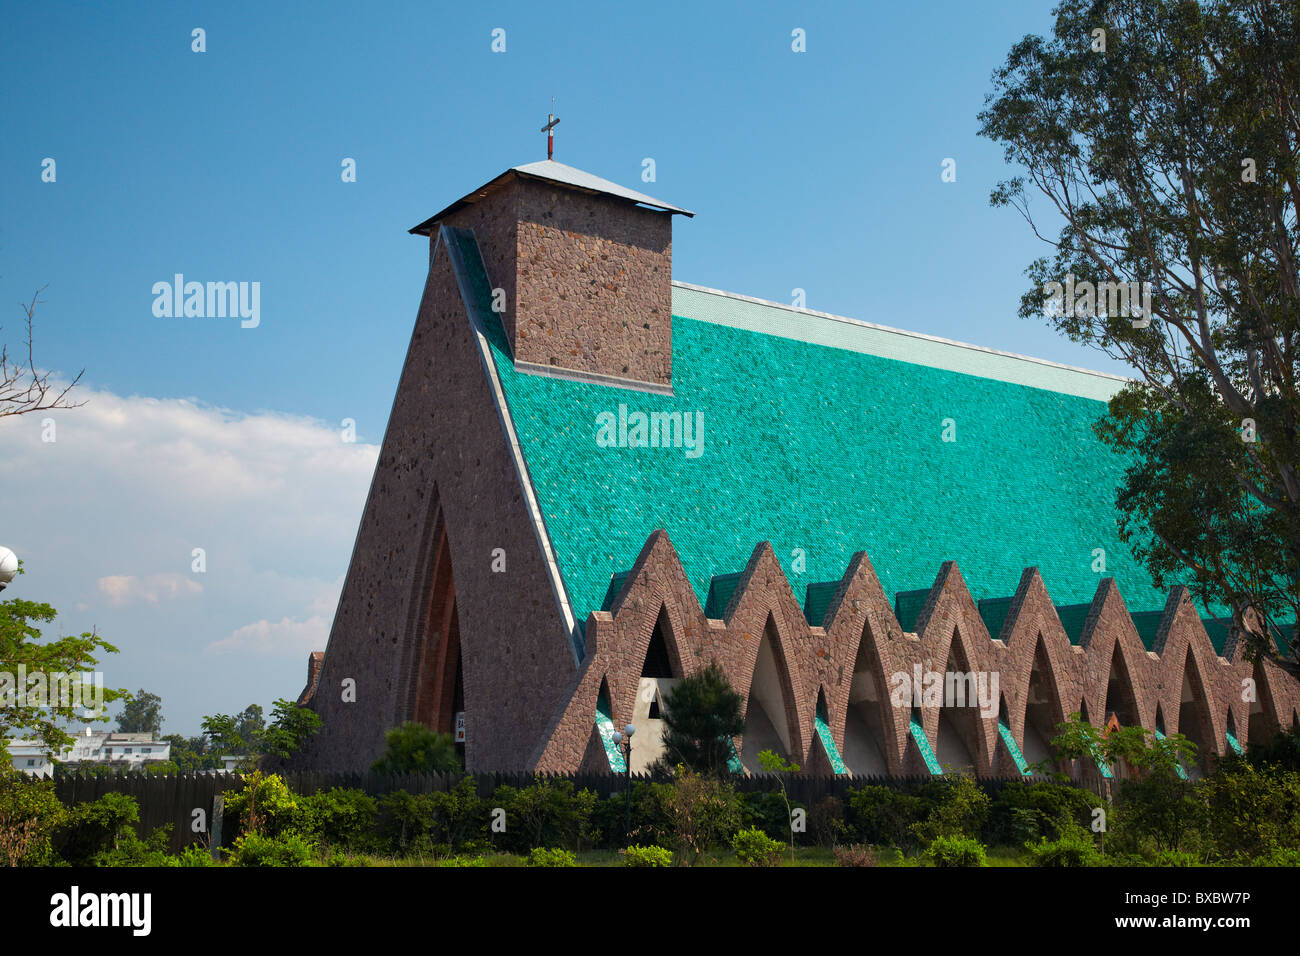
(766, 811)
(1278, 857)
(550, 813)
(340, 818)
(753, 847)
(1072, 849)
(546, 856)
(130, 850)
(253, 849)
(702, 811)
(195, 856)
(958, 808)
(883, 816)
(30, 815)
(956, 851)
(1251, 813)
(1027, 812)
(647, 856)
(826, 822)
(417, 748)
(855, 855)
(265, 806)
(98, 827)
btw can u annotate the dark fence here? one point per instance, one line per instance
(175, 799)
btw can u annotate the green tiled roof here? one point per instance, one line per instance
(818, 601)
(994, 612)
(908, 606)
(826, 451)
(1147, 624)
(615, 585)
(721, 588)
(1073, 617)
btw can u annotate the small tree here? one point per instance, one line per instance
(773, 762)
(417, 748)
(141, 714)
(290, 727)
(701, 716)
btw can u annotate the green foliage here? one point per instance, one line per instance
(289, 729)
(647, 856)
(753, 847)
(701, 716)
(98, 827)
(544, 856)
(883, 816)
(1282, 752)
(20, 646)
(340, 819)
(826, 822)
(1280, 857)
(702, 810)
(650, 819)
(141, 714)
(958, 808)
(265, 806)
(1131, 146)
(192, 753)
(767, 811)
(1027, 812)
(1073, 848)
(1160, 812)
(130, 850)
(1252, 813)
(550, 813)
(30, 816)
(955, 851)
(195, 856)
(290, 849)
(417, 748)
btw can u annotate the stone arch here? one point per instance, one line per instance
(869, 732)
(1044, 709)
(1195, 722)
(1118, 696)
(770, 721)
(959, 734)
(1262, 723)
(661, 669)
(437, 694)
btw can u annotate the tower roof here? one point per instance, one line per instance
(548, 170)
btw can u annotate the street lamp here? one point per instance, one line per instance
(8, 567)
(624, 742)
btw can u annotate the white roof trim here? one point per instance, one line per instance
(560, 173)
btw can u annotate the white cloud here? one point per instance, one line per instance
(106, 519)
(124, 589)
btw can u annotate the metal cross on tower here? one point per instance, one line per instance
(549, 129)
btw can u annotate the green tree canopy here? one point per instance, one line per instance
(1165, 137)
(417, 748)
(142, 714)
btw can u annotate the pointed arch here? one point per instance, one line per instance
(770, 722)
(1044, 709)
(1119, 698)
(1195, 722)
(1262, 723)
(959, 741)
(869, 731)
(661, 669)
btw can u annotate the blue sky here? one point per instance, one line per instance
(817, 170)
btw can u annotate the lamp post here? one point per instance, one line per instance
(8, 567)
(624, 743)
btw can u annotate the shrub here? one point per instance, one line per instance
(98, 827)
(765, 810)
(195, 856)
(1026, 812)
(647, 856)
(549, 856)
(956, 851)
(265, 805)
(550, 813)
(703, 811)
(855, 855)
(340, 818)
(826, 822)
(130, 850)
(1072, 849)
(753, 847)
(30, 814)
(959, 808)
(1174, 858)
(1278, 857)
(253, 849)
(417, 748)
(1251, 813)
(883, 816)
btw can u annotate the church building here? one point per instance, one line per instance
(597, 480)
